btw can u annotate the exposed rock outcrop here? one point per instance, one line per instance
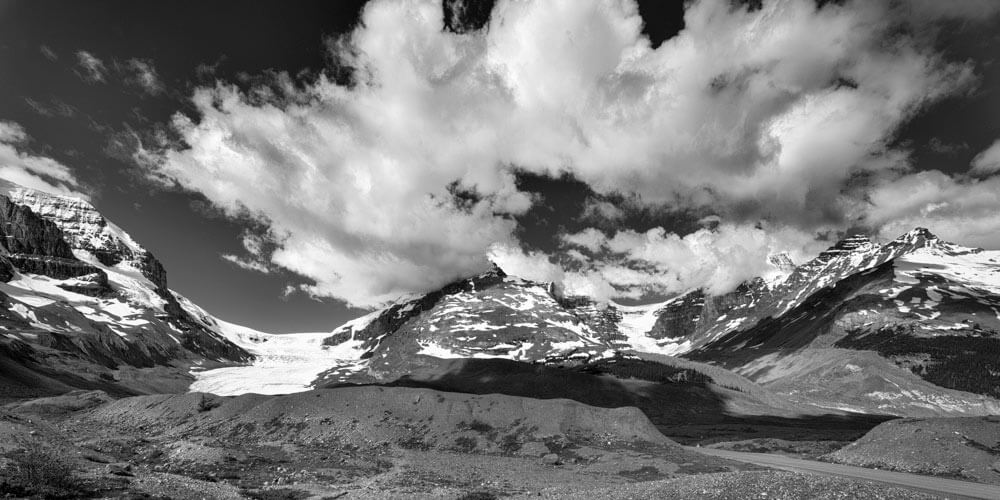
(25, 232)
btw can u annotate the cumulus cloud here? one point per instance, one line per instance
(715, 259)
(92, 67)
(537, 266)
(532, 265)
(31, 171)
(988, 161)
(404, 180)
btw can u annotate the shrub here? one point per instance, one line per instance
(465, 444)
(41, 469)
(479, 495)
(207, 404)
(476, 425)
(276, 494)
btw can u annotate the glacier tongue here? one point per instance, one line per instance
(283, 364)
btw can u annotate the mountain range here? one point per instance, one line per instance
(908, 327)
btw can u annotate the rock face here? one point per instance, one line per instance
(25, 232)
(79, 289)
(86, 231)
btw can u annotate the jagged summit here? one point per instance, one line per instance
(922, 232)
(916, 238)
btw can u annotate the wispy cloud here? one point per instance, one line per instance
(54, 107)
(988, 161)
(258, 249)
(247, 264)
(142, 73)
(93, 69)
(48, 53)
(29, 170)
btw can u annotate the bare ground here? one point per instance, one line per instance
(360, 442)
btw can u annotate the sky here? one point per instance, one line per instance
(294, 165)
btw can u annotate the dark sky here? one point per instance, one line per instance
(78, 123)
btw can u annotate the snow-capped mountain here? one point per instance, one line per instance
(899, 318)
(83, 305)
(490, 316)
(901, 328)
(908, 327)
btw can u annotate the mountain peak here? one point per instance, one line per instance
(495, 271)
(918, 237)
(919, 232)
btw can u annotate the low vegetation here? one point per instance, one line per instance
(39, 469)
(965, 363)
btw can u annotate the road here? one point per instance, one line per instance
(928, 484)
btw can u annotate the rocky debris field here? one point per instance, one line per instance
(964, 448)
(363, 442)
(348, 442)
(745, 485)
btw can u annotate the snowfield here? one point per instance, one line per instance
(284, 364)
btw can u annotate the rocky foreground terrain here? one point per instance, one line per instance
(368, 442)
(966, 448)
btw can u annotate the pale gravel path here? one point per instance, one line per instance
(942, 486)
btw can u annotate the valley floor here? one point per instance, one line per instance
(370, 442)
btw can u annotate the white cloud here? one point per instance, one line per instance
(716, 259)
(93, 68)
(758, 115)
(31, 171)
(966, 211)
(244, 263)
(142, 73)
(592, 239)
(988, 161)
(602, 211)
(534, 266)
(258, 249)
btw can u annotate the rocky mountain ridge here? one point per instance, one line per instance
(82, 305)
(908, 327)
(836, 310)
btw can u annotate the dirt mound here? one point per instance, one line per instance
(369, 416)
(966, 448)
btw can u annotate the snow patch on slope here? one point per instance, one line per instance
(636, 323)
